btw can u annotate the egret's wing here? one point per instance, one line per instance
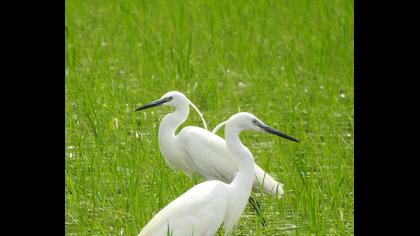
(208, 154)
(201, 210)
(266, 183)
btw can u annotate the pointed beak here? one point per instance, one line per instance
(270, 130)
(154, 103)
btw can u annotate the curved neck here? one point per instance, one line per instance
(244, 178)
(172, 121)
(241, 185)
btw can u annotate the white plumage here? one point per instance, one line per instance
(198, 151)
(204, 208)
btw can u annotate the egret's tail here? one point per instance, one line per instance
(266, 183)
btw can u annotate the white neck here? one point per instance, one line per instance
(241, 185)
(172, 121)
(244, 178)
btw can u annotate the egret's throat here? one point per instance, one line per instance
(172, 121)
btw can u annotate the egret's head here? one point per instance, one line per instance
(173, 98)
(247, 121)
(244, 121)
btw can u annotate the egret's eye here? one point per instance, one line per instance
(169, 98)
(254, 121)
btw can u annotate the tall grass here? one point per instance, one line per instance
(288, 62)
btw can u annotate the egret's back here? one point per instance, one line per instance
(208, 155)
(199, 211)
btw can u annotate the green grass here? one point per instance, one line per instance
(288, 62)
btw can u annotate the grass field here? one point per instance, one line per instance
(288, 62)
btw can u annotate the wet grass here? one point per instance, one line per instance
(288, 62)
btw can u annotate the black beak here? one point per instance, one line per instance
(270, 130)
(154, 103)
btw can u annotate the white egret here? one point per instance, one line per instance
(198, 151)
(205, 207)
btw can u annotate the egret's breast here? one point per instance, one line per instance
(175, 155)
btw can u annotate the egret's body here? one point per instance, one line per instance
(198, 151)
(204, 208)
(199, 211)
